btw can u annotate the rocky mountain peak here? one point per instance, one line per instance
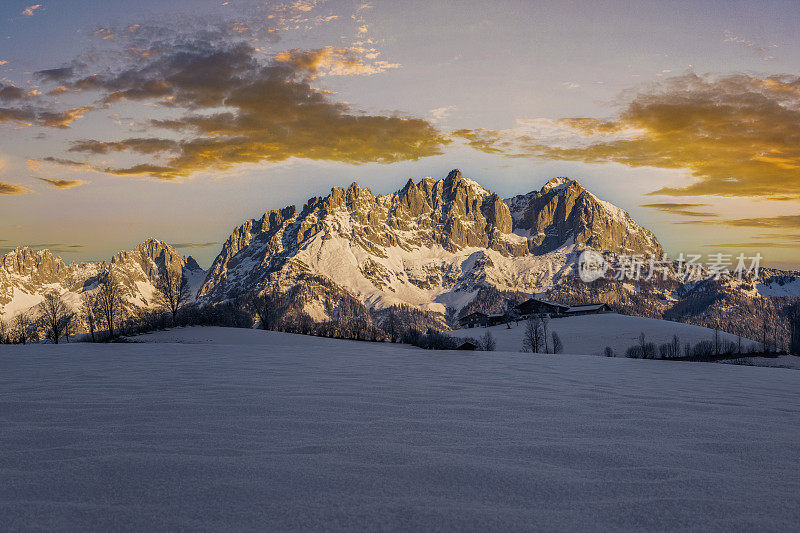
(563, 211)
(25, 261)
(558, 184)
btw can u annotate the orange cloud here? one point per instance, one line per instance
(12, 189)
(63, 184)
(738, 135)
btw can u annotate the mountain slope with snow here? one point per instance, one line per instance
(430, 245)
(27, 275)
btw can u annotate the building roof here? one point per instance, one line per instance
(554, 304)
(587, 307)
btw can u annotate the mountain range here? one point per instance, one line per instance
(441, 246)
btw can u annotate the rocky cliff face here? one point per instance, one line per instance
(563, 210)
(432, 244)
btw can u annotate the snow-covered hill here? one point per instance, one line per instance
(307, 434)
(590, 334)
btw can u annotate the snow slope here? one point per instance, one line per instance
(590, 334)
(296, 433)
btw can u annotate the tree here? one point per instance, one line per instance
(108, 299)
(68, 326)
(794, 345)
(511, 313)
(487, 343)
(55, 316)
(268, 306)
(532, 337)
(558, 346)
(21, 323)
(545, 325)
(89, 312)
(3, 332)
(609, 351)
(172, 290)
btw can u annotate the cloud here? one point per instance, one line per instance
(38, 116)
(763, 245)
(29, 11)
(241, 109)
(59, 248)
(783, 221)
(687, 210)
(137, 145)
(738, 135)
(62, 184)
(10, 92)
(12, 188)
(761, 50)
(180, 245)
(332, 61)
(441, 113)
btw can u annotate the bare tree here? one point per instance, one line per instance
(545, 326)
(69, 325)
(268, 306)
(558, 346)
(511, 313)
(21, 323)
(108, 299)
(89, 312)
(54, 316)
(794, 344)
(487, 343)
(173, 291)
(532, 337)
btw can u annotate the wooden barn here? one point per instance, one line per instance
(539, 307)
(474, 319)
(588, 309)
(481, 319)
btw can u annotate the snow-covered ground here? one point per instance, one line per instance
(281, 432)
(590, 334)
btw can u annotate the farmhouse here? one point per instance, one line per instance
(481, 319)
(534, 306)
(588, 309)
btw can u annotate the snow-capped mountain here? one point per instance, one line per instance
(441, 246)
(431, 245)
(26, 275)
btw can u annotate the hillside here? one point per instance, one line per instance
(590, 334)
(300, 433)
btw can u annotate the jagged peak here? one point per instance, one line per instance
(557, 184)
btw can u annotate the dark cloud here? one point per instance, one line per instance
(271, 113)
(140, 145)
(11, 92)
(60, 248)
(180, 245)
(739, 135)
(62, 184)
(12, 188)
(687, 210)
(31, 115)
(56, 74)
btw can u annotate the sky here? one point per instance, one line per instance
(179, 120)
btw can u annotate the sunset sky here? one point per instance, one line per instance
(178, 120)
